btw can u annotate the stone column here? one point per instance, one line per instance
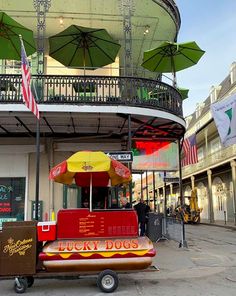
(192, 182)
(206, 141)
(210, 205)
(233, 171)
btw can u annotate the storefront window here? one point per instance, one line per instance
(12, 199)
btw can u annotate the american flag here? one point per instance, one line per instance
(26, 90)
(189, 151)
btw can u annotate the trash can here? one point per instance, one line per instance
(18, 248)
(154, 226)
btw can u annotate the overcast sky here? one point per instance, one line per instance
(212, 24)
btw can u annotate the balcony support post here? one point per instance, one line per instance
(206, 141)
(130, 164)
(180, 175)
(210, 208)
(41, 7)
(127, 9)
(233, 171)
(192, 182)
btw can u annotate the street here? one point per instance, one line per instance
(207, 267)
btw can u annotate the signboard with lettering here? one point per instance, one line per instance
(122, 156)
(18, 248)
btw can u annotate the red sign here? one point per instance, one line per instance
(81, 223)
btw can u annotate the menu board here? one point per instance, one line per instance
(87, 225)
(81, 223)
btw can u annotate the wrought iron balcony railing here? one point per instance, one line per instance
(221, 156)
(131, 91)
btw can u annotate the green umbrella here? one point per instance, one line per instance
(183, 92)
(10, 46)
(79, 46)
(171, 57)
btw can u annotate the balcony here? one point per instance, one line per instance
(95, 90)
(222, 156)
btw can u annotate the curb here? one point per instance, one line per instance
(219, 225)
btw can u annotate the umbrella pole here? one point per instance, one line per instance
(173, 71)
(90, 193)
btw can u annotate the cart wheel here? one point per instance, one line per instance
(20, 285)
(30, 281)
(107, 281)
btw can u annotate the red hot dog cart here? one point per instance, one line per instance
(80, 241)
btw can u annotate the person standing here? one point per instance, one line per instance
(141, 210)
(125, 204)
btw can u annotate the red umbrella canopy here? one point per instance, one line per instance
(86, 167)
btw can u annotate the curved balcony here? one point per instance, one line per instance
(95, 90)
(173, 10)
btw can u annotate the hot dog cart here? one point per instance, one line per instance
(81, 241)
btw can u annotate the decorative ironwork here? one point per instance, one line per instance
(94, 90)
(41, 7)
(127, 9)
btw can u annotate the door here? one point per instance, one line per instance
(202, 200)
(219, 199)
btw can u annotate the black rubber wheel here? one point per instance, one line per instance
(21, 286)
(30, 281)
(107, 281)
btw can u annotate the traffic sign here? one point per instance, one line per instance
(123, 156)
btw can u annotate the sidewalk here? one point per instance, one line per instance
(228, 225)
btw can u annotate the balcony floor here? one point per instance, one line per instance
(77, 121)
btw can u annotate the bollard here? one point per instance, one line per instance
(225, 217)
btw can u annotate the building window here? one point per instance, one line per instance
(215, 145)
(199, 109)
(198, 126)
(233, 73)
(12, 199)
(214, 93)
(200, 153)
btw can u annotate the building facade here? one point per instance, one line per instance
(80, 109)
(214, 174)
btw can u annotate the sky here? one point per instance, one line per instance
(212, 24)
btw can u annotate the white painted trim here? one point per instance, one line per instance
(18, 149)
(96, 109)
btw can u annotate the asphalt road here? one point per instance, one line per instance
(207, 267)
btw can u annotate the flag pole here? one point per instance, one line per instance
(32, 105)
(37, 169)
(37, 159)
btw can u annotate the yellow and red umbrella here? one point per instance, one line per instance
(87, 168)
(83, 164)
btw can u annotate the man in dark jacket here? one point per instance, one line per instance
(141, 210)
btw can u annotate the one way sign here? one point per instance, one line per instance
(123, 156)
